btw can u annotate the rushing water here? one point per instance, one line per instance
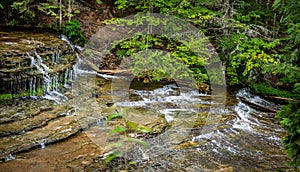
(43, 134)
(244, 139)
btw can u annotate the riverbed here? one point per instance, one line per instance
(66, 128)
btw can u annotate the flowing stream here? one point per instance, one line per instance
(63, 129)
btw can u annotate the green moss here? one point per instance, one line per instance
(8, 97)
(4, 97)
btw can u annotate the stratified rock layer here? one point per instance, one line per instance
(29, 61)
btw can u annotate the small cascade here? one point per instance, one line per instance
(50, 79)
(70, 77)
(39, 70)
(246, 94)
(9, 157)
(32, 85)
(40, 62)
(65, 38)
(56, 96)
(55, 57)
(56, 82)
(66, 78)
(43, 146)
(243, 122)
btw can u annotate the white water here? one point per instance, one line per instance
(10, 157)
(50, 80)
(43, 146)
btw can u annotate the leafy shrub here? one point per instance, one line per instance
(120, 129)
(169, 58)
(73, 31)
(247, 57)
(266, 89)
(289, 117)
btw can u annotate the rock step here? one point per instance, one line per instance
(54, 131)
(34, 120)
(22, 111)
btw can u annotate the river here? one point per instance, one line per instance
(64, 129)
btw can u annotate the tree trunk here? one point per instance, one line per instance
(69, 9)
(60, 13)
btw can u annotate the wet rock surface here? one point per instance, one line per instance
(28, 58)
(35, 124)
(243, 139)
(66, 129)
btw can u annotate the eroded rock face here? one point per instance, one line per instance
(40, 123)
(29, 61)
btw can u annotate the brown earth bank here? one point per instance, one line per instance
(91, 16)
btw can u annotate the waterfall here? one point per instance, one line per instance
(56, 82)
(64, 38)
(70, 75)
(50, 79)
(32, 85)
(37, 70)
(43, 69)
(66, 78)
(43, 146)
(9, 157)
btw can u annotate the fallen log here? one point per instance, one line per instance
(283, 98)
(111, 72)
(258, 106)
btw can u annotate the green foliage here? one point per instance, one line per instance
(193, 11)
(289, 73)
(289, 9)
(179, 63)
(251, 12)
(289, 117)
(113, 116)
(13, 23)
(49, 9)
(99, 2)
(118, 129)
(139, 141)
(266, 89)
(113, 156)
(248, 17)
(247, 57)
(73, 31)
(25, 9)
(137, 128)
(124, 130)
(54, 9)
(8, 97)
(5, 97)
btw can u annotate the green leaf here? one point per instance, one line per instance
(99, 2)
(118, 129)
(113, 116)
(132, 162)
(112, 156)
(144, 129)
(132, 125)
(113, 145)
(147, 145)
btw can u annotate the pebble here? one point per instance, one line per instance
(86, 162)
